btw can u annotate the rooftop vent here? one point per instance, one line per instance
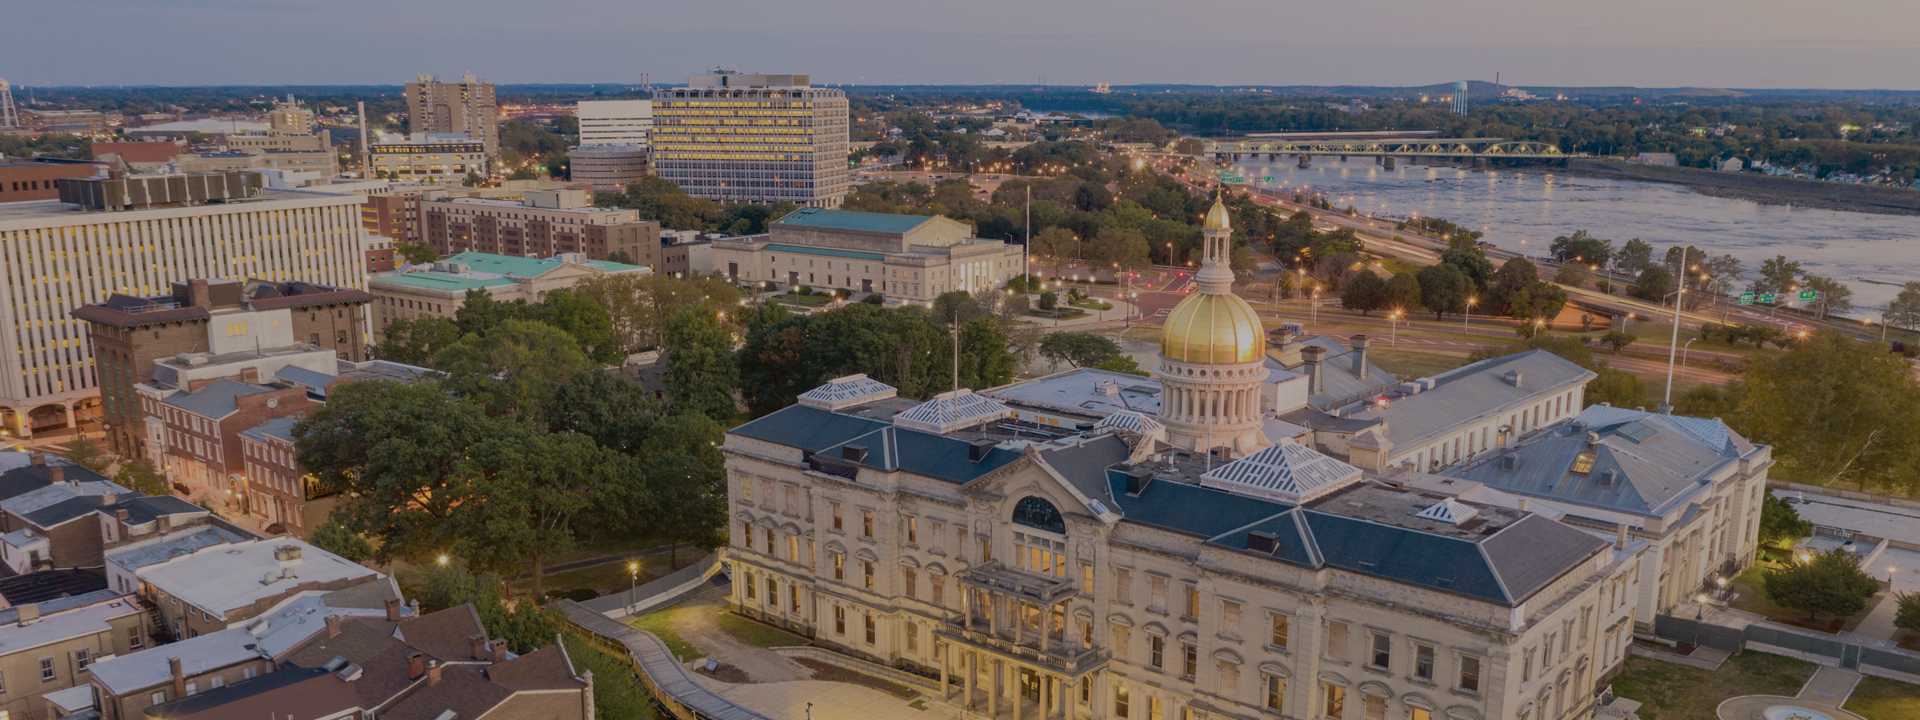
(979, 449)
(853, 453)
(1509, 463)
(1263, 542)
(1513, 377)
(1137, 480)
(1607, 478)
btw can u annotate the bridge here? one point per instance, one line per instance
(1478, 149)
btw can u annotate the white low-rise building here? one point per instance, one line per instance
(912, 258)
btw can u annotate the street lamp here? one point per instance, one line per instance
(1702, 611)
(1467, 315)
(443, 560)
(1394, 337)
(633, 571)
(1683, 357)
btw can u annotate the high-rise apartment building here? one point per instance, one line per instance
(466, 107)
(753, 138)
(138, 236)
(540, 224)
(615, 122)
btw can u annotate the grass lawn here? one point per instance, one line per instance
(805, 299)
(1877, 698)
(607, 577)
(1754, 600)
(660, 623)
(756, 634)
(1093, 304)
(1411, 364)
(617, 695)
(1679, 692)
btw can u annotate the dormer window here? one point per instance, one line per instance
(1583, 463)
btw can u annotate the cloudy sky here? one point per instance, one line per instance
(1647, 43)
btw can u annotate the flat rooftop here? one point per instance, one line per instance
(45, 209)
(224, 577)
(1866, 517)
(1081, 391)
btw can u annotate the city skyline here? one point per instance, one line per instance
(1765, 45)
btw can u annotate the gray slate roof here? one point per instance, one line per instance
(1463, 394)
(216, 400)
(1647, 476)
(280, 427)
(1339, 384)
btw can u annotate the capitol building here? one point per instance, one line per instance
(1269, 526)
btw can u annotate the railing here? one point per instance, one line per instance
(672, 687)
(635, 600)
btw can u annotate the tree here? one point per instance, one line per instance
(701, 372)
(1463, 253)
(1570, 349)
(1123, 364)
(957, 307)
(335, 538)
(1514, 276)
(1836, 412)
(584, 319)
(1618, 340)
(1652, 285)
(1582, 248)
(1056, 242)
(473, 179)
(1444, 288)
(1365, 292)
(140, 475)
(1117, 245)
(1636, 255)
(1776, 275)
(1538, 304)
(1831, 584)
(1780, 523)
(414, 340)
(1834, 296)
(1907, 615)
(1572, 275)
(1401, 293)
(681, 211)
(1904, 310)
(525, 626)
(514, 368)
(621, 257)
(1079, 349)
(415, 253)
(1049, 300)
(87, 454)
(522, 493)
(984, 361)
(1616, 387)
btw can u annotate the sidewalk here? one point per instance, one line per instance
(819, 699)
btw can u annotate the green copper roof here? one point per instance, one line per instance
(850, 220)
(525, 267)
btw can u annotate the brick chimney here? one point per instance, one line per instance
(251, 375)
(179, 678)
(37, 457)
(57, 474)
(416, 665)
(1360, 345)
(333, 626)
(433, 672)
(166, 524)
(197, 293)
(477, 646)
(393, 610)
(499, 650)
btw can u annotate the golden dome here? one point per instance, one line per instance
(1208, 328)
(1217, 217)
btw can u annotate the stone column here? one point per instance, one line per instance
(1019, 690)
(967, 682)
(993, 688)
(943, 650)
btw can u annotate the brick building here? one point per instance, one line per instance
(21, 181)
(129, 333)
(393, 216)
(214, 587)
(544, 223)
(200, 429)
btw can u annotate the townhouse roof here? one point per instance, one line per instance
(164, 547)
(23, 481)
(49, 586)
(271, 635)
(65, 618)
(221, 578)
(1615, 458)
(280, 428)
(216, 399)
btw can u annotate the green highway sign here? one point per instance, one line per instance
(1268, 178)
(1808, 295)
(1768, 297)
(1746, 298)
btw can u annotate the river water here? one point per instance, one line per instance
(1525, 211)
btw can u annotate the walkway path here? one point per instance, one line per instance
(1824, 692)
(830, 700)
(694, 622)
(1878, 624)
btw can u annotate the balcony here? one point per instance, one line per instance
(1027, 646)
(1040, 589)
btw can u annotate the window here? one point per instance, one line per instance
(986, 550)
(158, 697)
(913, 637)
(1228, 684)
(871, 632)
(746, 484)
(1423, 662)
(839, 620)
(1230, 619)
(1193, 600)
(47, 673)
(1156, 593)
(217, 681)
(1336, 701)
(837, 525)
(1382, 651)
(1189, 659)
(1337, 640)
(1123, 586)
(913, 530)
(135, 640)
(939, 537)
(839, 566)
(248, 673)
(793, 548)
(749, 585)
(1120, 702)
(1414, 713)
(773, 593)
(866, 570)
(1279, 638)
(866, 523)
(1086, 576)
(770, 545)
(1526, 665)
(1276, 692)
(82, 658)
(939, 590)
(907, 578)
(1156, 649)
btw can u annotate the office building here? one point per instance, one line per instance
(430, 157)
(211, 322)
(137, 237)
(905, 257)
(730, 137)
(465, 108)
(542, 223)
(24, 180)
(439, 289)
(615, 122)
(608, 167)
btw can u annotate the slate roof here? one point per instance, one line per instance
(215, 400)
(1084, 464)
(903, 449)
(1479, 390)
(1651, 476)
(806, 428)
(1188, 509)
(1339, 384)
(314, 381)
(280, 427)
(850, 220)
(22, 480)
(50, 585)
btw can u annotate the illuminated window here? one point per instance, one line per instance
(1583, 463)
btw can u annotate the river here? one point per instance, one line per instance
(1525, 211)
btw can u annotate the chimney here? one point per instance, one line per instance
(433, 672)
(57, 474)
(477, 646)
(393, 610)
(1514, 378)
(1620, 540)
(416, 665)
(333, 626)
(1313, 355)
(120, 514)
(29, 613)
(586, 695)
(499, 650)
(197, 294)
(179, 678)
(1523, 505)
(1282, 337)
(251, 375)
(166, 523)
(37, 457)
(1360, 345)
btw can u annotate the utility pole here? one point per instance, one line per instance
(1673, 345)
(1026, 250)
(366, 171)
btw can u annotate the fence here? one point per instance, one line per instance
(635, 601)
(1845, 650)
(672, 687)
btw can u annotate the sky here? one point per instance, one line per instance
(1856, 44)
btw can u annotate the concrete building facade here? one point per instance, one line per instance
(430, 157)
(440, 290)
(615, 122)
(729, 137)
(911, 258)
(608, 167)
(465, 108)
(60, 257)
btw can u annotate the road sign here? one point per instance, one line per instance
(1746, 298)
(1268, 178)
(1768, 298)
(1808, 295)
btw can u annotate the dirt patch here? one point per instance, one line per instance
(835, 673)
(1829, 626)
(697, 622)
(727, 673)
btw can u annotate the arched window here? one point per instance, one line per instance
(1035, 512)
